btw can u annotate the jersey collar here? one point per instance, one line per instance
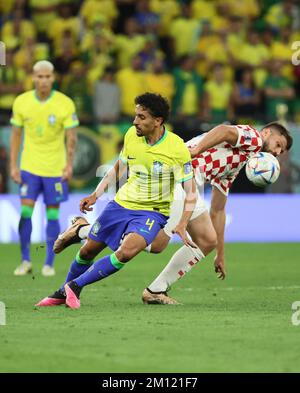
(42, 102)
(162, 138)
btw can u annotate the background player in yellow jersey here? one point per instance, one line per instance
(45, 117)
(157, 160)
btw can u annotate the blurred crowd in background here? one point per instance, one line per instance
(215, 60)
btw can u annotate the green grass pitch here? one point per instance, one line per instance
(242, 324)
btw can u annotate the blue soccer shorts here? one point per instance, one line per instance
(54, 189)
(116, 221)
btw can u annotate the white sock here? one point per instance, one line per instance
(84, 231)
(181, 263)
(148, 248)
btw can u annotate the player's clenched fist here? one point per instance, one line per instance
(15, 175)
(86, 203)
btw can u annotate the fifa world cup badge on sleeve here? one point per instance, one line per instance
(187, 168)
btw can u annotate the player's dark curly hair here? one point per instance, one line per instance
(282, 131)
(157, 105)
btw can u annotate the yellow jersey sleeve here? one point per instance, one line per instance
(183, 171)
(17, 118)
(71, 119)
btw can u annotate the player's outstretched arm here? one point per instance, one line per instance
(218, 217)
(216, 135)
(111, 178)
(189, 204)
(15, 144)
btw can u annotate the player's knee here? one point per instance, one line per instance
(86, 254)
(125, 254)
(207, 243)
(210, 243)
(159, 243)
(157, 247)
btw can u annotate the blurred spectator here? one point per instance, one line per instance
(185, 31)
(98, 56)
(158, 80)
(12, 79)
(106, 99)
(254, 53)
(128, 44)
(147, 20)
(74, 85)
(29, 53)
(186, 105)
(278, 90)
(92, 9)
(18, 29)
(281, 50)
(67, 53)
(43, 12)
(248, 9)
(217, 105)
(64, 21)
(246, 98)
(282, 14)
(167, 10)
(150, 51)
(131, 82)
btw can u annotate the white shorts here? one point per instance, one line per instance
(177, 209)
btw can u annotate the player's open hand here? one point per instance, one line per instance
(16, 175)
(180, 229)
(220, 267)
(86, 203)
(67, 173)
(193, 151)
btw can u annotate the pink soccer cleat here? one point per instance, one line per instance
(56, 299)
(72, 299)
(50, 301)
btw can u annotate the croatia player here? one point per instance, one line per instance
(156, 159)
(218, 156)
(46, 117)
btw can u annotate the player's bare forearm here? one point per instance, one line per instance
(218, 134)
(111, 178)
(71, 145)
(189, 206)
(15, 144)
(218, 219)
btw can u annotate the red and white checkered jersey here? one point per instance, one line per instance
(221, 164)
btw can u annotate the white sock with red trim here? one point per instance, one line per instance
(181, 263)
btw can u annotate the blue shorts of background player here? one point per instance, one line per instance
(116, 221)
(54, 189)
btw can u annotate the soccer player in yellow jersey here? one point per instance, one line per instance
(157, 160)
(45, 117)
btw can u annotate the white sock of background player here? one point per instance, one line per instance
(181, 263)
(84, 231)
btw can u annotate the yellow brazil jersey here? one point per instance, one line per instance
(153, 171)
(44, 124)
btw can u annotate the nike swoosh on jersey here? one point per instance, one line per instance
(130, 158)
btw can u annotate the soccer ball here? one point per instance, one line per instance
(262, 169)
